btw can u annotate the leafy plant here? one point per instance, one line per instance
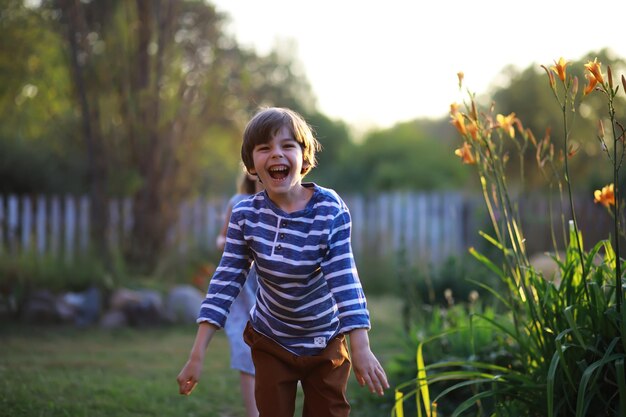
(564, 337)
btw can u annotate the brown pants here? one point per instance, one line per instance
(323, 377)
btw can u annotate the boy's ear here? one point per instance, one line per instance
(252, 171)
(306, 167)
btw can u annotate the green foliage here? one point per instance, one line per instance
(52, 175)
(337, 150)
(21, 274)
(374, 273)
(30, 270)
(41, 113)
(563, 340)
(404, 158)
(39, 151)
(449, 338)
(437, 305)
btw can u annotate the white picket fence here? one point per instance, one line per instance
(430, 226)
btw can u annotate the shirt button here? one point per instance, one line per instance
(279, 247)
(282, 235)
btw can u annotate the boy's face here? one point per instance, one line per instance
(278, 163)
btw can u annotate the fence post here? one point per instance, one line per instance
(55, 226)
(70, 228)
(40, 225)
(83, 224)
(3, 222)
(13, 223)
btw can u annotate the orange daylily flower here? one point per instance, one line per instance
(465, 153)
(559, 68)
(472, 129)
(454, 108)
(592, 84)
(594, 68)
(460, 76)
(459, 122)
(606, 196)
(506, 123)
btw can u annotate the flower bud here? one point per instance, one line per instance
(575, 86)
(600, 128)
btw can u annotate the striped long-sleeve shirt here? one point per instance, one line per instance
(309, 290)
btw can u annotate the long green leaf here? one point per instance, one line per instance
(465, 384)
(398, 409)
(569, 316)
(470, 402)
(492, 291)
(554, 363)
(495, 242)
(561, 348)
(510, 374)
(487, 262)
(621, 385)
(510, 332)
(592, 253)
(609, 254)
(421, 381)
(471, 375)
(582, 402)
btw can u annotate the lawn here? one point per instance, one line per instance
(54, 371)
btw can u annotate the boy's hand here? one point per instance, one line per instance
(190, 374)
(367, 369)
(188, 377)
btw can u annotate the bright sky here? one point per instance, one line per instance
(377, 63)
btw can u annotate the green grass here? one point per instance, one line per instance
(53, 371)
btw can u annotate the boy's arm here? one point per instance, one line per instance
(367, 369)
(190, 374)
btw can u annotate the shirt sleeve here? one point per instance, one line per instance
(230, 275)
(342, 277)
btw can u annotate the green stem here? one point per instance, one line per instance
(516, 240)
(616, 217)
(571, 203)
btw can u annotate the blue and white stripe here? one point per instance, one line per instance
(309, 289)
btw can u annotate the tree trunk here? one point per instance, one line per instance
(90, 125)
(155, 205)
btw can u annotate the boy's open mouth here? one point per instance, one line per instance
(278, 172)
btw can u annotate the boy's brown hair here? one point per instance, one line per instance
(267, 122)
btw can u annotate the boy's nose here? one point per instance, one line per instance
(277, 152)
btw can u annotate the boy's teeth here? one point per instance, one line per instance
(278, 172)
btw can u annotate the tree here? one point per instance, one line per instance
(38, 149)
(160, 86)
(337, 149)
(404, 158)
